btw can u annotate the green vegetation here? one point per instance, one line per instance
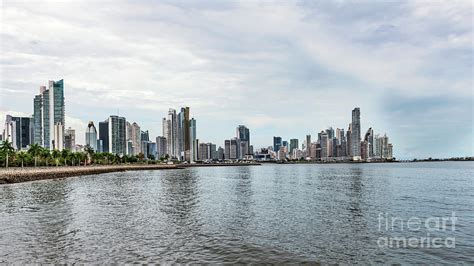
(39, 156)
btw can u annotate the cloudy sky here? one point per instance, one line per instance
(285, 68)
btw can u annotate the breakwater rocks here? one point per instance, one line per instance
(16, 174)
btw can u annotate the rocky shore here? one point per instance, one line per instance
(16, 174)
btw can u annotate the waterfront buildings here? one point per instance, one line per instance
(161, 149)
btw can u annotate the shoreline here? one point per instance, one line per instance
(18, 175)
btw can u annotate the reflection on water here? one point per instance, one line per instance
(271, 213)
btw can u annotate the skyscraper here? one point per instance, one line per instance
(192, 139)
(134, 138)
(104, 135)
(308, 146)
(355, 134)
(91, 136)
(50, 112)
(293, 145)
(18, 130)
(324, 145)
(170, 132)
(160, 147)
(276, 144)
(183, 133)
(243, 134)
(117, 134)
(69, 139)
(227, 149)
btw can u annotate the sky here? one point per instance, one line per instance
(282, 68)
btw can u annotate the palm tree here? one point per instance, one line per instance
(56, 154)
(65, 155)
(7, 149)
(89, 152)
(46, 154)
(35, 150)
(22, 156)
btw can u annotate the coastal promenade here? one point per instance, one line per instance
(18, 174)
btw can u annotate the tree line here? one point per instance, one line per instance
(39, 156)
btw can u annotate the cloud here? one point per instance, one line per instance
(284, 68)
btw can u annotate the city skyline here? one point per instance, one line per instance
(273, 79)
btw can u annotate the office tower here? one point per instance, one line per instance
(134, 138)
(18, 130)
(243, 134)
(38, 118)
(49, 115)
(390, 151)
(104, 135)
(243, 149)
(308, 146)
(220, 153)
(281, 154)
(349, 141)
(213, 151)
(324, 145)
(293, 145)
(276, 144)
(234, 149)
(69, 138)
(184, 144)
(355, 134)
(227, 149)
(91, 136)
(250, 149)
(160, 147)
(170, 132)
(330, 132)
(334, 145)
(369, 138)
(117, 142)
(192, 139)
(57, 142)
(385, 146)
(150, 150)
(144, 140)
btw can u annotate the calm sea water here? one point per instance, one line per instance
(268, 213)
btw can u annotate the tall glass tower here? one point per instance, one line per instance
(355, 134)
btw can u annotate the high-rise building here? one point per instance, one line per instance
(104, 135)
(134, 138)
(293, 145)
(276, 144)
(170, 132)
(324, 145)
(369, 138)
(38, 118)
(69, 139)
(308, 146)
(160, 147)
(50, 112)
(91, 136)
(243, 149)
(220, 153)
(117, 135)
(184, 144)
(355, 134)
(234, 149)
(227, 149)
(243, 134)
(192, 138)
(18, 130)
